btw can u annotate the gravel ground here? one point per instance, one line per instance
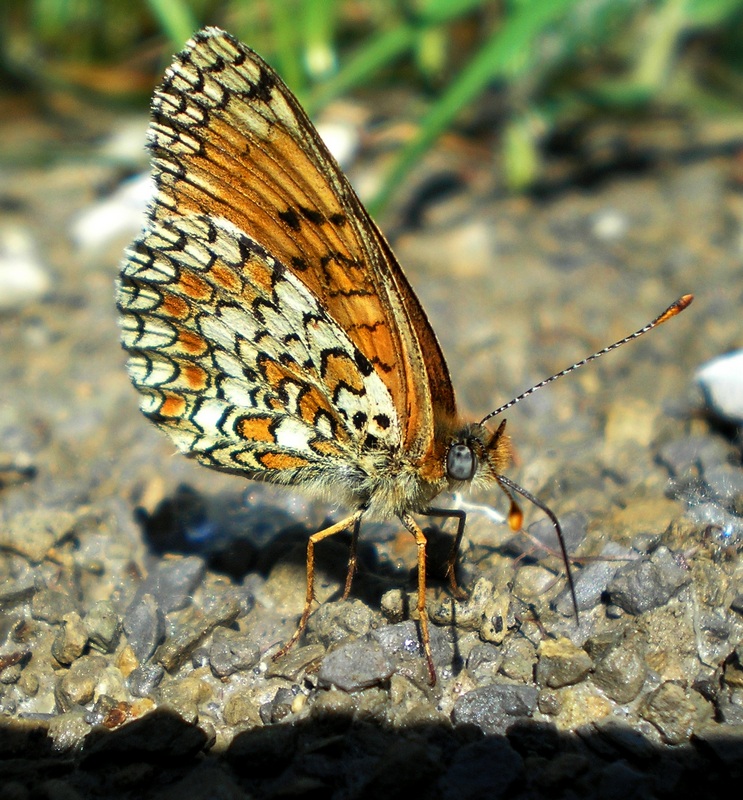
(141, 596)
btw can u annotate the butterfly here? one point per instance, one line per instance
(272, 333)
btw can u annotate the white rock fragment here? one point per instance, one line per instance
(23, 278)
(721, 381)
(119, 215)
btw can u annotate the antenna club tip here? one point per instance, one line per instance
(675, 308)
(685, 301)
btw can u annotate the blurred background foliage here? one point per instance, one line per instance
(553, 64)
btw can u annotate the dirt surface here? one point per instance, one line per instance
(141, 595)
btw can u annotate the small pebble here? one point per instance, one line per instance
(295, 662)
(519, 658)
(172, 582)
(51, 606)
(648, 582)
(561, 663)
(178, 645)
(674, 711)
(592, 580)
(355, 666)
(279, 708)
(78, 684)
(402, 641)
(144, 625)
(620, 672)
(119, 216)
(23, 278)
(145, 679)
(681, 456)
(333, 622)
(103, 626)
(495, 708)
(230, 652)
(33, 533)
(240, 709)
(721, 381)
(71, 639)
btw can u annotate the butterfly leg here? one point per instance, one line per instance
(352, 559)
(451, 562)
(343, 525)
(420, 541)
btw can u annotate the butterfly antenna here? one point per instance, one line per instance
(507, 483)
(671, 311)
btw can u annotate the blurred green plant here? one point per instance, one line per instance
(555, 62)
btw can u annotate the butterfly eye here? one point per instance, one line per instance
(460, 462)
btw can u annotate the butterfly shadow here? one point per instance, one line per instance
(255, 533)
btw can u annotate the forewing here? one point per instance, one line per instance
(230, 140)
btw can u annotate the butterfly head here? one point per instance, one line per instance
(477, 455)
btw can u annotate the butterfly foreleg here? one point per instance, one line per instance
(420, 541)
(352, 558)
(349, 522)
(451, 562)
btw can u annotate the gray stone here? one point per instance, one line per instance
(484, 659)
(402, 643)
(71, 639)
(355, 666)
(103, 626)
(16, 591)
(333, 622)
(178, 646)
(172, 582)
(647, 583)
(145, 679)
(51, 606)
(279, 708)
(495, 708)
(561, 663)
(675, 711)
(620, 672)
(78, 684)
(33, 533)
(725, 484)
(144, 625)
(681, 456)
(231, 651)
(592, 580)
(574, 527)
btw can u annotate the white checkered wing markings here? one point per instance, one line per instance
(237, 360)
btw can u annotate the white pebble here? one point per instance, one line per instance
(721, 380)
